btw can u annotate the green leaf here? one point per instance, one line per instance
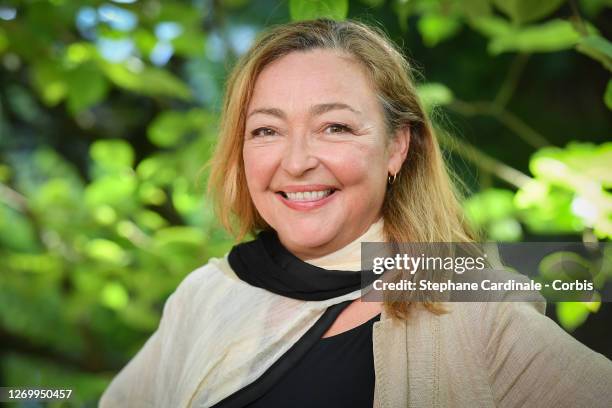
(50, 83)
(489, 205)
(598, 48)
(4, 42)
(150, 220)
(106, 251)
(48, 264)
(435, 94)
(16, 231)
(493, 210)
(55, 194)
(180, 235)
(311, 9)
(608, 95)
(184, 199)
(149, 193)
(145, 40)
(190, 43)
(547, 209)
(79, 53)
(105, 214)
(554, 35)
(491, 26)
(51, 164)
(5, 173)
(505, 230)
(180, 12)
(112, 154)
(576, 166)
(114, 296)
(572, 314)
(116, 190)
(403, 10)
(595, 304)
(523, 11)
(475, 8)
(575, 180)
(148, 81)
(159, 169)
(170, 127)
(86, 87)
(435, 28)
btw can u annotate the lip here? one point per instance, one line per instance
(307, 205)
(306, 187)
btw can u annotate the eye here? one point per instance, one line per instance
(338, 128)
(263, 131)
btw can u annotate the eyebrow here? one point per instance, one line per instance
(314, 110)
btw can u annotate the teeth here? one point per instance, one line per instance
(308, 195)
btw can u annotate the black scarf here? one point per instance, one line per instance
(266, 263)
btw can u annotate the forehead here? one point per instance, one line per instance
(303, 78)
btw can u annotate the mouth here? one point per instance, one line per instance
(307, 196)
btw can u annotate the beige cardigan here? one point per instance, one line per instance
(487, 354)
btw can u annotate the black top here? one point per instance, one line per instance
(337, 372)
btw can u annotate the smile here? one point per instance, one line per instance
(307, 198)
(307, 195)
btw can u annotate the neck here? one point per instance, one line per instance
(349, 256)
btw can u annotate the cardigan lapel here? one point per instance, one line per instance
(423, 365)
(406, 361)
(390, 364)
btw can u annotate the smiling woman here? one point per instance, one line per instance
(316, 162)
(324, 145)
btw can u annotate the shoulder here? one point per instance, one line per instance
(216, 270)
(483, 315)
(489, 325)
(491, 310)
(216, 276)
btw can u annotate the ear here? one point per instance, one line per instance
(398, 149)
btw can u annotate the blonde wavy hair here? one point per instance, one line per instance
(421, 205)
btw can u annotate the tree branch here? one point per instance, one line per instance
(497, 108)
(506, 91)
(482, 160)
(507, 118)
(13, 198)
(19, 202)
(580, 24)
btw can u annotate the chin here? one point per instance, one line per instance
(304, 239)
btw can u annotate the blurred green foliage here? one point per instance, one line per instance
(108, 112)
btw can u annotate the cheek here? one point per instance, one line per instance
(358, 165)
(258, 168)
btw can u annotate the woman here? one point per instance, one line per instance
(324, 145)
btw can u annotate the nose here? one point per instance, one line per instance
(298, 156)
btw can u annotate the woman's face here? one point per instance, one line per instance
(316, 152)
